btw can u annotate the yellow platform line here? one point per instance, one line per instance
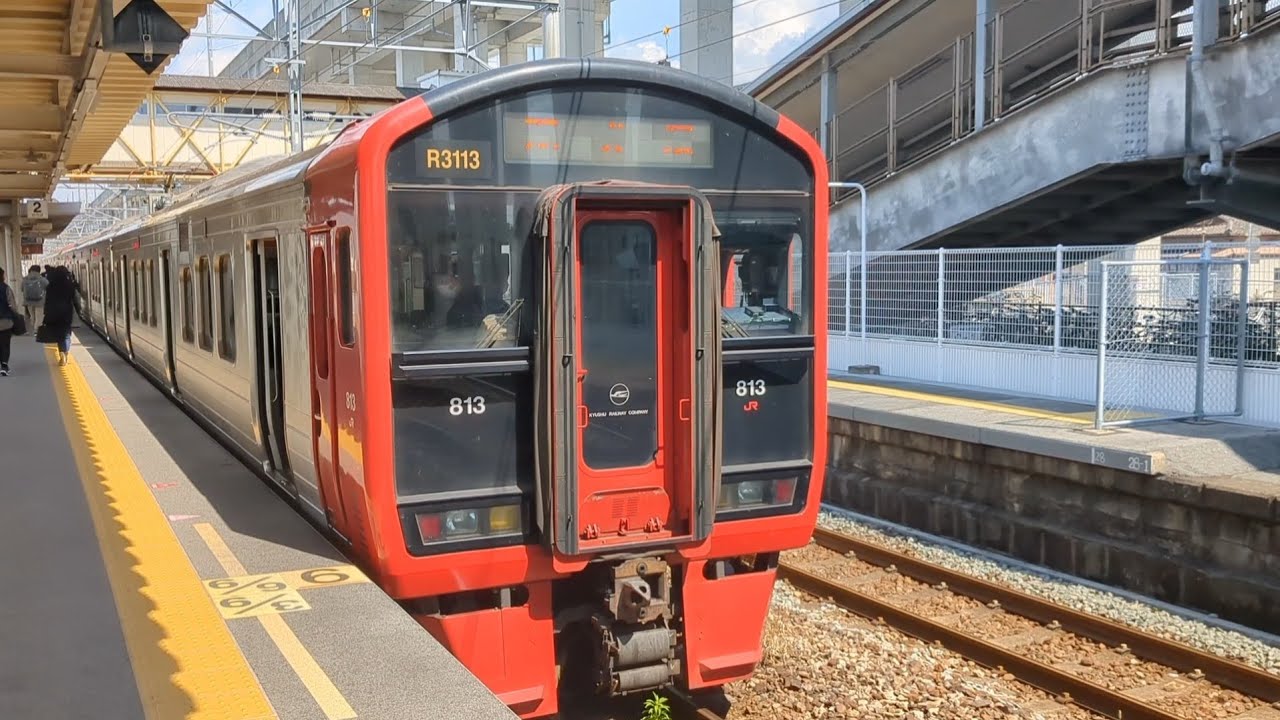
(1082, 418)
(326, 694)
(185, 661)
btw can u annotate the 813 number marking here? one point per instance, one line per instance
(473, 405)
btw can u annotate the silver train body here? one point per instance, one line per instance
(192, 297)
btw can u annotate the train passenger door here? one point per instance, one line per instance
(637, 355)
(166, 293)
(323, 386)
(270, 356)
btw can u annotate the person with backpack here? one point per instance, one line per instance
(59, 312)
(34, 286)
(8, 320)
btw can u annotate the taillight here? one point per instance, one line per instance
(784, 491)
(428, 527)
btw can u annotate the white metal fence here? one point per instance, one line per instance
(1026, 320)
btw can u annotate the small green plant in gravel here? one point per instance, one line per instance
(656, 707)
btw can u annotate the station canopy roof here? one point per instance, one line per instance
(63, 100)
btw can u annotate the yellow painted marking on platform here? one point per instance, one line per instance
(1081, 418)
(326, 694)
(323, 577)
(254, 595)
(185, 661)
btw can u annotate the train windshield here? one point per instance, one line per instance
(461, 207)
(463, 194)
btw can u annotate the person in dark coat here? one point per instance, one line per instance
(59, 309)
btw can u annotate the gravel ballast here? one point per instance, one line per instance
(821, 661)
(1203, 635)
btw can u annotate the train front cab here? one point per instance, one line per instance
(599, 375)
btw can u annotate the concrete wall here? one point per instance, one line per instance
(1190, 543)
(1134, 113)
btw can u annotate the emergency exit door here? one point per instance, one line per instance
(634, 375)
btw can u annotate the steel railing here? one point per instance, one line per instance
(1035, 47)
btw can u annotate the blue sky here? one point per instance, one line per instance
(765, 30)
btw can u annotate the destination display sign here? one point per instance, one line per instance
(545, 139)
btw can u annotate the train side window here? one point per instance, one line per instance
(226, 310)
(188, 307)
(346, 293)
(151, 287)
(205, 283)
(134, 291)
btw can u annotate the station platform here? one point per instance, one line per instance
(1184, 511)
(149, 574)
(1227, 454)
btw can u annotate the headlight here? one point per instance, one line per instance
(468, 523)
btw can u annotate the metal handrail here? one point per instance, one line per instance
(1094, 47)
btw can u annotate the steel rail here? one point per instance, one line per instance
(1228, 673)
(688, 706)
(1063, 685)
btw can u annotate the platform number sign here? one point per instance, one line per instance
(275, 593)
(254, 595)
(37, 209)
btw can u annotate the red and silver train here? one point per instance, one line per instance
(542, 349)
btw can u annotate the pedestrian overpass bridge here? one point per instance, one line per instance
(1092, 126)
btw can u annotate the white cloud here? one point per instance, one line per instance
(646, 50)
(766, 30)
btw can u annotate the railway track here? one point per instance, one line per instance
(1102, 666)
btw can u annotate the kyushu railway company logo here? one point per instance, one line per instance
(619, 394)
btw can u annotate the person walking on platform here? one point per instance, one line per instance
(59, 310)
(8, 318)
(33, 290)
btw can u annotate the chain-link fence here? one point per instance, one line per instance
(1156, 367)
(1047, 299)
(1027, 320)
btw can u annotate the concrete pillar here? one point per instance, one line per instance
(551, 35)
(986, 11)
(514, 53)
(706, 38)
(409, 67)
(13, 244)
(580, 31)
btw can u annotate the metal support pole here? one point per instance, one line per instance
(1100, 408)
(1202, 332)
(827, 109)
(294, 67)
(862, 251)
(1204, 34)
(985, 11)
(1242, 337)
(848, 291)
(1057, 299)
(942, 290)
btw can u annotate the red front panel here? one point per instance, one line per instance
(634, 378)
(724, 624)
(511, 650)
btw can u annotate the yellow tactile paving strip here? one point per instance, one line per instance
(185, 660)
(1082, 418)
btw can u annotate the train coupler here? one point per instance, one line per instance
(636, 647)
